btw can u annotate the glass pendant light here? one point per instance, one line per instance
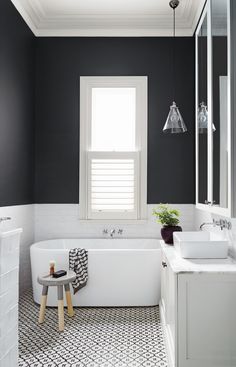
(203, 119)
(174, 123)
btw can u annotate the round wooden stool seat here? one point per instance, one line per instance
(48, 281)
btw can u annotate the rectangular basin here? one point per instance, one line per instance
(200, 245)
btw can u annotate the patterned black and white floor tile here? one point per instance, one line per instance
(94, 337)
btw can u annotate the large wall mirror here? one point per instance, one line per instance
(212, 108)
(202, 109)
(220, 102)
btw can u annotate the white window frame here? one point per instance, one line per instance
(86, 85)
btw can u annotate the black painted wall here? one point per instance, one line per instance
(59, 64)
(17, 75)
(50, 172)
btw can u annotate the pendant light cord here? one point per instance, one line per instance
(174, 23)
(173, 69)
(201, 87)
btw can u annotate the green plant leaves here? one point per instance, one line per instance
(166, 216)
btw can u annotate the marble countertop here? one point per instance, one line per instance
(180, 265)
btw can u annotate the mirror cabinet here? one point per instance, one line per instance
(214, 183)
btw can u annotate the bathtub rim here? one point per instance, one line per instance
(36, 245)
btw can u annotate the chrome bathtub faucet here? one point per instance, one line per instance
(3, 219)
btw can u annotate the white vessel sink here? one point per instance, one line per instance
(200, 245)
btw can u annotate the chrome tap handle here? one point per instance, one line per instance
(228, 225)
(105, 231)
(120, 231)
(223, 223)
(113, 231)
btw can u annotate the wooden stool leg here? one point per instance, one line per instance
(70, 310)
(60, 308)
(43, 304)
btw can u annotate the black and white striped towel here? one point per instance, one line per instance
(78, 262)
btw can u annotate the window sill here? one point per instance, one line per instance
(113, 221)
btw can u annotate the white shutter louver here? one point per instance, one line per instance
(112, 185)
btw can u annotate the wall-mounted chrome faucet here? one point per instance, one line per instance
(222, 223)
(112, 232)
(3, 219)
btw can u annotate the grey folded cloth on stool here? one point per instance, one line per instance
(78, 262)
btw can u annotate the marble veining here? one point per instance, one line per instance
(180, 265)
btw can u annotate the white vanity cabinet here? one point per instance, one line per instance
(168, 305)
(198, 311)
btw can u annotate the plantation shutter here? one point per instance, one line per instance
(112, 185)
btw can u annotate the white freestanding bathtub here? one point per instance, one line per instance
(122, 272)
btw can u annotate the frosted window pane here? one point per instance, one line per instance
(113, 119)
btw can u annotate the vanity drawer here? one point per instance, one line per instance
(9, 253)
(8, 321)
(11, 358)
(8, 300)
(8, 280)
(8, 342)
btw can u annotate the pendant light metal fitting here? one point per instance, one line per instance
(174, 3)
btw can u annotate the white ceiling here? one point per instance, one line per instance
(108, 17)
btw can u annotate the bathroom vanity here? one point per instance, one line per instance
(198, 310)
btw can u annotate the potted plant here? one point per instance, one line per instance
(169, 218)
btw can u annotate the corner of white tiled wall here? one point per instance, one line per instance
(62, 220)
(22, 216)
(202, 216)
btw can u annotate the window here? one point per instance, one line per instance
(113, 147)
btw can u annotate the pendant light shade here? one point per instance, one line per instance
(203, 119)
(174, 123)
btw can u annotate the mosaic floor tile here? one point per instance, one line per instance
(94, 337)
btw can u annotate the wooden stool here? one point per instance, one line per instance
(49, 281)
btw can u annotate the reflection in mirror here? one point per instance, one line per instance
(202, 112)
(219, 90)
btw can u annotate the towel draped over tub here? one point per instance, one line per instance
(78, 262)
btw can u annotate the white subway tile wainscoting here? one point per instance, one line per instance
(49, 221)
(62, 221)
